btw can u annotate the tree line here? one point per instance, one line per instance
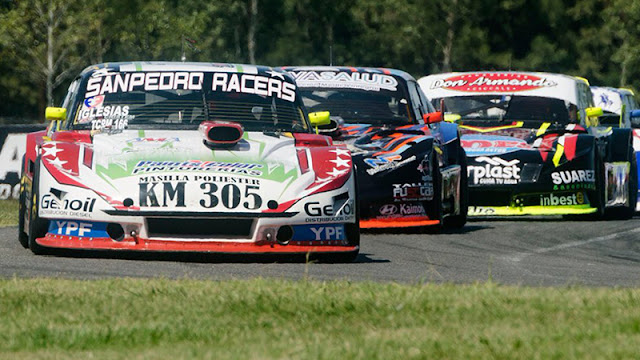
(45, 43)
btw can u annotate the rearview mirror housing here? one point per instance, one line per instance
(55, 113)
(432, 118)
(319, 118)
(593, 111)
(452, 117)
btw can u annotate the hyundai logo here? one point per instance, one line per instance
(388, 209)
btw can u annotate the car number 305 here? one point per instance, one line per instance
(172, 194)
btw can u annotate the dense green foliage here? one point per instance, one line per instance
(8, 212)
(597, 39)
(265, 319)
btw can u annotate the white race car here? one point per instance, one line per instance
(187, 157)
(620, 111)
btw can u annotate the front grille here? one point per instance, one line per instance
(484, 197)
(200, 228)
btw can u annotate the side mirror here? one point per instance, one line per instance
(55, 113)
(452, 117)
(635, 118)
(594, 111)
(432, 118)
(319, 118)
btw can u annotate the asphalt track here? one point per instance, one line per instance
(518, 252)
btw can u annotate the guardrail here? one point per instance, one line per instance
(12, 147)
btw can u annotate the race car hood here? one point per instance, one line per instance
(161, 170)
(153, 152)
(380, 151)
(498, 160)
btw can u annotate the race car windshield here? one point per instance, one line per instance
(259, 103)
(384, 107)
(509, 107)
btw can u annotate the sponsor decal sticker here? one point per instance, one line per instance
(414, 191)
(109, 124)
(326, 232)
(102, 83)
(62, 205)
(108, 83)
(574, 180)
(354, 80)
(327, 213)
(273, 86)
(573, 176)
(388, 162)
(481, 210)
(490, 82)
(558, 200)
(94, 102)
(78, 228)
(399, 210)
(148, 166)
(479, 146)
(496, 171)
(108, 111)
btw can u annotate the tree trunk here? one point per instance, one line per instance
(251, 36)
(448, 46)
(623, 72)
(49, 70)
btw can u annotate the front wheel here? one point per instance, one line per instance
(37, 226)
(627, 212)
(352, 231)
(434, 207)
(458, 221)
(23, 237)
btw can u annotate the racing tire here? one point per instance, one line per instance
(37, 226)
(458, 221)
(598, 196)
(352, 231)
(23, 237)
(627, 212)
(434, 207)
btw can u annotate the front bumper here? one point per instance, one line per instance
(530, 210)
(140, 244)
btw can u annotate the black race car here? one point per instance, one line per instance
(535, 146)
(410, 166)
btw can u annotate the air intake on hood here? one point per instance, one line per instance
(221, 133)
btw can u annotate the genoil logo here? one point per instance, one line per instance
(50, 202)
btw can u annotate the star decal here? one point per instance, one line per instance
(320, 180)
(276, 74)
(51, 150)
(335, 172)
(57, 162)
(339, 151)
(340, 162)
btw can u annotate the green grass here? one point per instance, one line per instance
(8, 212)
(262, 319)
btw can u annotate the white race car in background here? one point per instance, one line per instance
(620, 109)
